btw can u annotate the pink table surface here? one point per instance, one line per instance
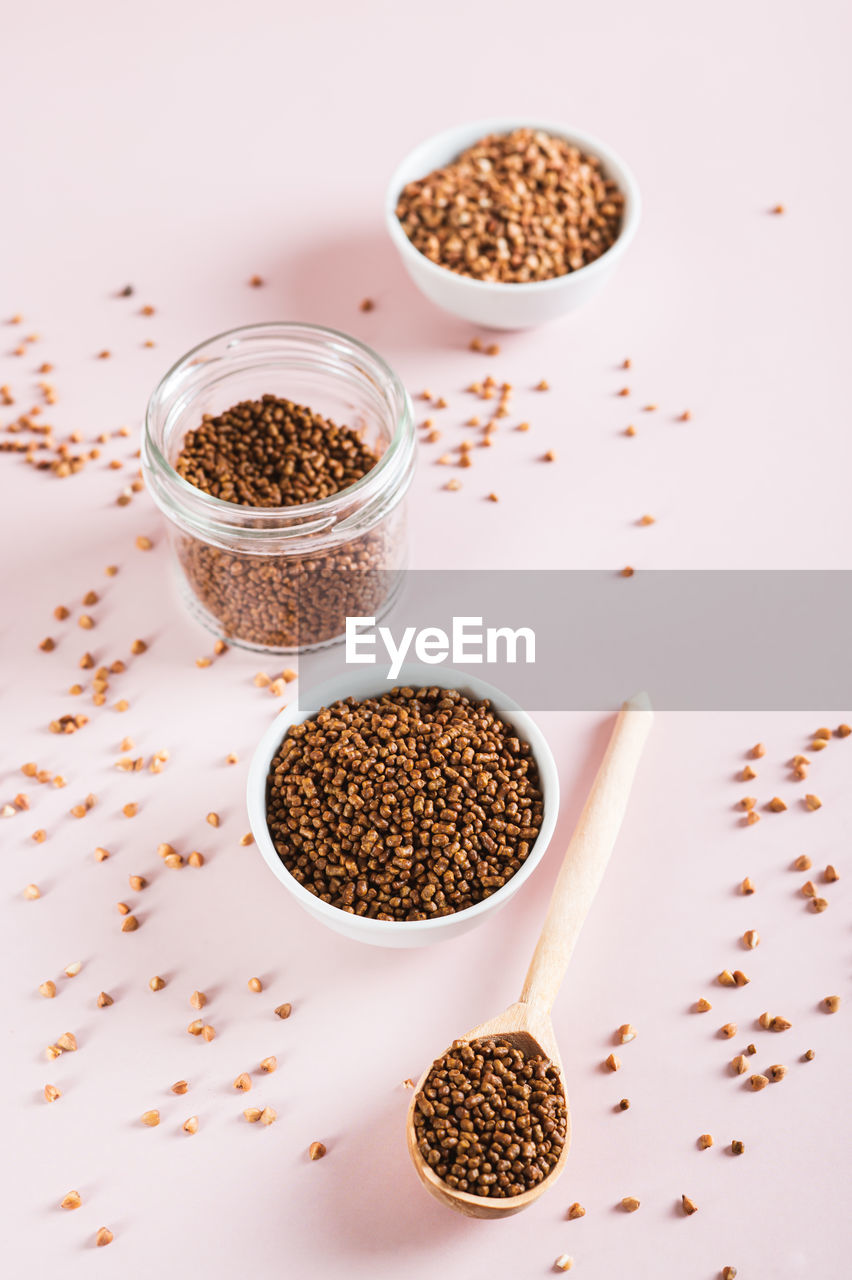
(182, 148)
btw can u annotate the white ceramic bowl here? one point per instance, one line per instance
(498, 305)
(399, 933)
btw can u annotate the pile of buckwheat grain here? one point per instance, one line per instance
(414, 804)
(514, 207)
(272, 453)
(490, 1121)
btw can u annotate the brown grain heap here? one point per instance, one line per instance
(490, 1121)
(514, 207)
(270, 453)
(414, 804)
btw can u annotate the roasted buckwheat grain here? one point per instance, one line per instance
(490, 1121)
(272, 453)
(405, 806)
(513, 207)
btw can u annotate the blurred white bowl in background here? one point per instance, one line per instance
(500, 305)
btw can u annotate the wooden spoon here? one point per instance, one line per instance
(526, 1024)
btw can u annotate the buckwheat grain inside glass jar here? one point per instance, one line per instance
(281, 579)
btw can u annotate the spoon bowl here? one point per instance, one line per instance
(529, 1029)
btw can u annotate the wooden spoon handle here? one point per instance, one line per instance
(588, 852)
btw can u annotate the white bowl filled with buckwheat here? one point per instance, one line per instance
(510, 225)
(403, 812)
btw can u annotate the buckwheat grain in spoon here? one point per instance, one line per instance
(511, 1064)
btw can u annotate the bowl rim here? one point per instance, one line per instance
(366, 684)
(454, 140)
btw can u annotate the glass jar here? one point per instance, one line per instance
(283, 579)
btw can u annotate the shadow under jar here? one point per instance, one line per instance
(284, 579)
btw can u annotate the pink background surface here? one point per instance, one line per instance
(182, 150)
